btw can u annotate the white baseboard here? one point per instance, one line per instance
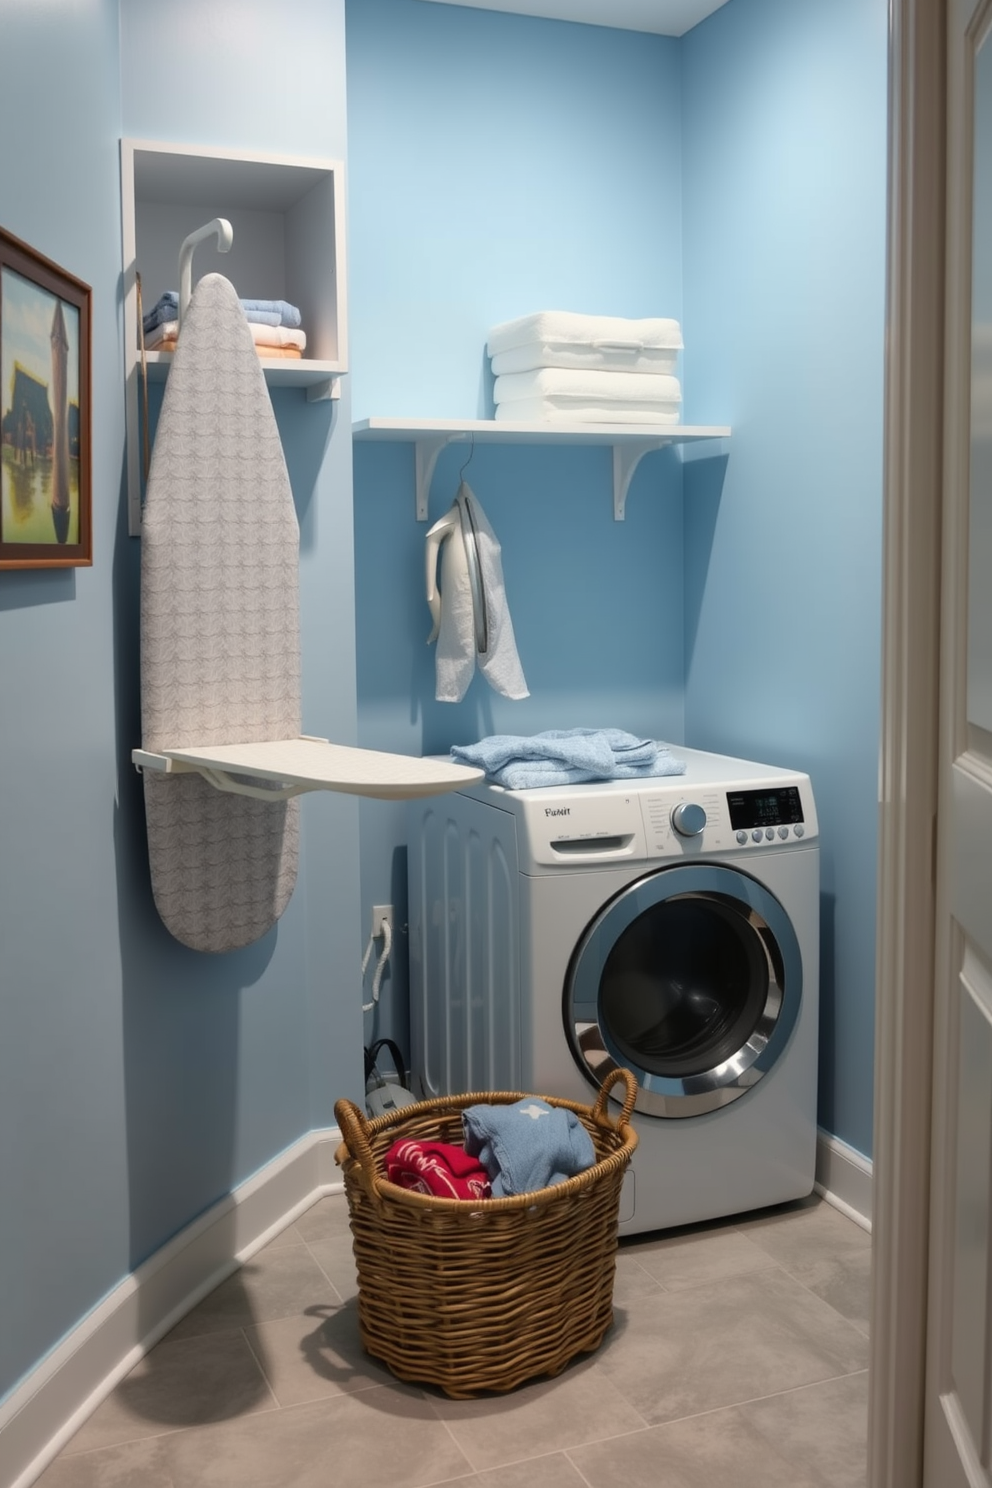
(843, 1177)
(57, 1397)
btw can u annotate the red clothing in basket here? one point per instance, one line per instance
(437, 1168)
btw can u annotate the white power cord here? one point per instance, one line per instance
(380, 965)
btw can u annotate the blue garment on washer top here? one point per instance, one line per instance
(526, 1145)
(567, 757)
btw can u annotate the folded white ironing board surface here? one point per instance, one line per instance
(293, 766)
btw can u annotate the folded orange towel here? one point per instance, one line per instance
(278, 351)
(170, 343)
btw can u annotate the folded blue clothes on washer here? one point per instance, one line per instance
(526, 1145)
(567, 757)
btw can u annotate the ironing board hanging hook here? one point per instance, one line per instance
(468, 461)
(220, 228)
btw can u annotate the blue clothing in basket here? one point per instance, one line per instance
(527, 1145)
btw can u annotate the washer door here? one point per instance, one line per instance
(691, 978)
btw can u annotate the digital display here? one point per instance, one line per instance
(765, 808)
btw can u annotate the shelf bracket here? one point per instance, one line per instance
(320, 392)
(426, 451)
(626, 458)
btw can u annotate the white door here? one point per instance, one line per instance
(958, 1417)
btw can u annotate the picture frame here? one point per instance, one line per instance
(45, 420)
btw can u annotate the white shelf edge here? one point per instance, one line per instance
(630, 443)
(279, 371)
(295, 766)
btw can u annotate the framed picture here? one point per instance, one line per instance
(45, 496)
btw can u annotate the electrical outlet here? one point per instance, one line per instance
(382, 914)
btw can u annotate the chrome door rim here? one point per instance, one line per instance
(696, 1094)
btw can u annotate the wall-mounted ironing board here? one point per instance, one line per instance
(222, 753)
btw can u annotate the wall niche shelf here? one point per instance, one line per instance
(294, 766)
(630, 443)
(287, 213)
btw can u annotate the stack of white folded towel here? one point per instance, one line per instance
(561, 367)
(274, 325)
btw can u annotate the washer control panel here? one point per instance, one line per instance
(675, 818)
(719, 819)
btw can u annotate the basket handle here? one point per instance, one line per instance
(355, 1130)
(599, 1113)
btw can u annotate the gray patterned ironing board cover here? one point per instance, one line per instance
(220, 634)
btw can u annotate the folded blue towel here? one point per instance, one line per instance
(260, 312)
(288, 314)
(567, 757)
(166, 307)
(527, 1145)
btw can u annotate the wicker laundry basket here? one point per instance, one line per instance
(475, 1296)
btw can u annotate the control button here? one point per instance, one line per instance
(757, 835)
(742, 838)
(769, 834)
(783, 832)
(799, 829)
(688, 819)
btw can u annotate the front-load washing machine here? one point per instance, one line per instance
(668, 925)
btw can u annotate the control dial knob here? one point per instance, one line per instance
(688, 819)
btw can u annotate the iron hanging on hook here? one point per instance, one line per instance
(473, 560)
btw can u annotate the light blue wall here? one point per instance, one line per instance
(501, 165)
(63, 1141)
(784, 209)
(140, 1081)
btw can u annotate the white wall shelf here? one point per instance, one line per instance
(287, 213)
(630, 443)
(294, 766)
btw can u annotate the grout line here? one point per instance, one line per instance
(647, 1276)
(131, 1441)
(472, 1469)
(576, 1468)
(715, 1281)
(261, 1368)
(862, 1332)
(501, 1467)
(730, 1279)
(716, 1410)
(758, 1399)
(323, 1273)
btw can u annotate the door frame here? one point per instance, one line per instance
(908, 773)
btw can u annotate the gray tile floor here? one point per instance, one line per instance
(738, 1355)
